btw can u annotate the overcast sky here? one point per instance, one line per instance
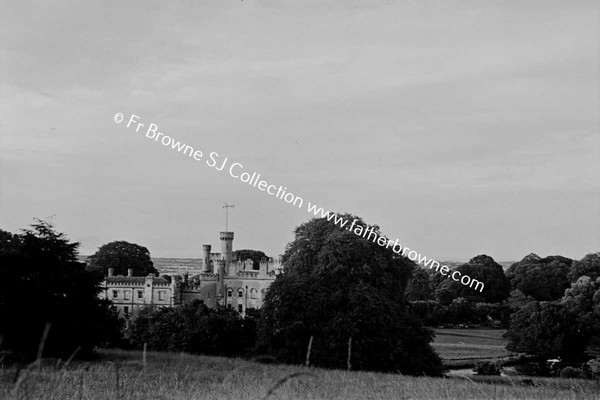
(459, 127)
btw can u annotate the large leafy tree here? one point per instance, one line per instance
(484, 269)
(544, 279)
(121, 256)
(587, 266)
(547, 330)
(336, 286)
(44, 283)
(583, 300)
(420, 286)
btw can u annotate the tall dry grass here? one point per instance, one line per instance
(123, 375)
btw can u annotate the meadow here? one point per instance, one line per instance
(464, 347)
(167, 376)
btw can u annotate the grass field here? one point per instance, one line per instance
(123, 375)
(463, 347)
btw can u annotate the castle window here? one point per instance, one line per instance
(161, 295)
(240, 308)
(115, 294)
(252, 293)
(228, 305)
(241, 293)
(126, 294)
(126, 310)
(229, 293)
(140, 294)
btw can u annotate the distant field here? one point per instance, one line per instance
(123, 375)
(463, 347)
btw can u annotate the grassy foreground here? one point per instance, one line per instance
(123, 375)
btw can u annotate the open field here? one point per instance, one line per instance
(463, 347)
(123, 375)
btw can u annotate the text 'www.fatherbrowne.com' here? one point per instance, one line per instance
(237, 171)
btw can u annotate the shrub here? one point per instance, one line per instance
(571, 373)
(487, 368)
(594, 366)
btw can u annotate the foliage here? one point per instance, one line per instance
(583, 300)
(587, 266)
(484, 269)
(43, 282)
(572, 373)
(461, 311)
(518, 300)
(487, 368)
(545, 329)
(336, 286)
(255, 255)
(121, 256)
(544, 279)
(594, 366)
(419, 286)
(194, 328)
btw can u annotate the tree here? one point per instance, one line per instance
(336, 286)
(419, 286)
(121, 256)
(583, 300)
(544, 279)
(484, 269)
(255, 255)
(547, 330)
(194, 328)
(518, 300)
(587, 266)
(44, 283)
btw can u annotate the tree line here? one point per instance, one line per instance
(342, 300)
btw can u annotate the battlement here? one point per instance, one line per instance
(225, 235)
(271, 265)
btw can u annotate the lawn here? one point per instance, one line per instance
(124, 375)
(463, 347)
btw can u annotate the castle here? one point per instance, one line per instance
(222, 281)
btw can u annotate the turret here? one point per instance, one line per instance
(175, 289)
(263, 267)
(206, 258)
(221, 281)
(226, 245)
(149, 289)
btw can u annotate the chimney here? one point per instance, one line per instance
(111, 272)
(130, 272)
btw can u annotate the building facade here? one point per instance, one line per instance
(222, 281)
(130, 293)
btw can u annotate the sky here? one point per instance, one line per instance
(460, 128)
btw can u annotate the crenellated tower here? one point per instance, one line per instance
(226, 246)
(206, 268)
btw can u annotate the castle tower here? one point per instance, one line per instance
(206, 258)
(220, 295)
(226, 246)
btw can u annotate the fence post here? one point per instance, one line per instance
(308, 351)
(349, 362)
